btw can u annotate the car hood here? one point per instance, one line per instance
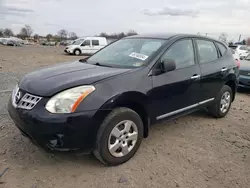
(244, 65)
(72, 46)
(49, 81)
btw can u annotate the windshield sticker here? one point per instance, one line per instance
(138, 64)
(138, 56)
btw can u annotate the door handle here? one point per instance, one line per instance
(195, 77)
(223, 69)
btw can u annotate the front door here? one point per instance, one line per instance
(179, 90)
(86, 47)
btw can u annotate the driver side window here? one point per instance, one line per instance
(86, 43)
(182, 52)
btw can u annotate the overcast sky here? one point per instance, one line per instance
(145, 16)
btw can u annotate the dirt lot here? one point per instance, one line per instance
(192, 151)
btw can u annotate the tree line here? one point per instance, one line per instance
(62, 34)
(27, 31)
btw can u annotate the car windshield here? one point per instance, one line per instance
(127, 53)
(78, 42)
(233, 47)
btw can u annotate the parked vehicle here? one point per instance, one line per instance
(88, 45)
(244, 80)
(242, 50)
(3, 41)
(106, 103)
(13, 43)
(236, 56)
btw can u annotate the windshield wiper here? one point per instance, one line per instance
(102, 65)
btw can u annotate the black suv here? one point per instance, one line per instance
(106, 103)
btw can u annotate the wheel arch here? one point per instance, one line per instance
(231, 83)
(77, 49)
(134, 100)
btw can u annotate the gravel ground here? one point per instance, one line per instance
(192, 151)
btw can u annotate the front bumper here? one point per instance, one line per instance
(60, 132)
(244, 81)
(68, 51)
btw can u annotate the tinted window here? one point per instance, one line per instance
(86, 43)
(128, 53)
(233, 47)
(207, 51)
(182, 53)
(222, 48)
(95, 42)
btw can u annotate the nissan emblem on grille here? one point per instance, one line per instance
(17, 97)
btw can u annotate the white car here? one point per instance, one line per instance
(88, 45)
(236, 55)
(242, 50)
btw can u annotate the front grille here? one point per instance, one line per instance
(244, 73)
(27, 101)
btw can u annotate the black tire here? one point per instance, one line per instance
(77, 52)
(215, 109)
(117, 115)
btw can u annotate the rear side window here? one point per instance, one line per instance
(207, 51)
(222, 48)
(95, 42)
(182, 52)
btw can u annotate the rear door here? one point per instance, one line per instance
(214, 68)
(179, 90)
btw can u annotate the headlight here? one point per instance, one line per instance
(67, 101)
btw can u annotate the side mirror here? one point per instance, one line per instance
(83, 44)
(168, 65)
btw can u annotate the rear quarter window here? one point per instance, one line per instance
(222, 48)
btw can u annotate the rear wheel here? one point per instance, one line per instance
(77, 52)
(223, 103)
(119, 137)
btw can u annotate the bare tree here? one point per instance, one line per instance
(49, 37)
(29, 30)
(26, 31)
(8, 32)
(63, 33)
(223, 37)
(131, 32)
(1, 33)
(72, 35)
(36, 36)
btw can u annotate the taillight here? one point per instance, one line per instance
(238, 63)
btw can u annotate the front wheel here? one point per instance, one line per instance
(77, 52)
(223, 103)
(119, 137)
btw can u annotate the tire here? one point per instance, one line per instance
(77, 52)
(216, 109)
(119, 118)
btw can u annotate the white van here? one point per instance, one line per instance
(87, 45)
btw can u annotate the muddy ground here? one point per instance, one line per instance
(192, 151)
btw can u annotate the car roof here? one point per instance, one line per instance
(169, 36)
